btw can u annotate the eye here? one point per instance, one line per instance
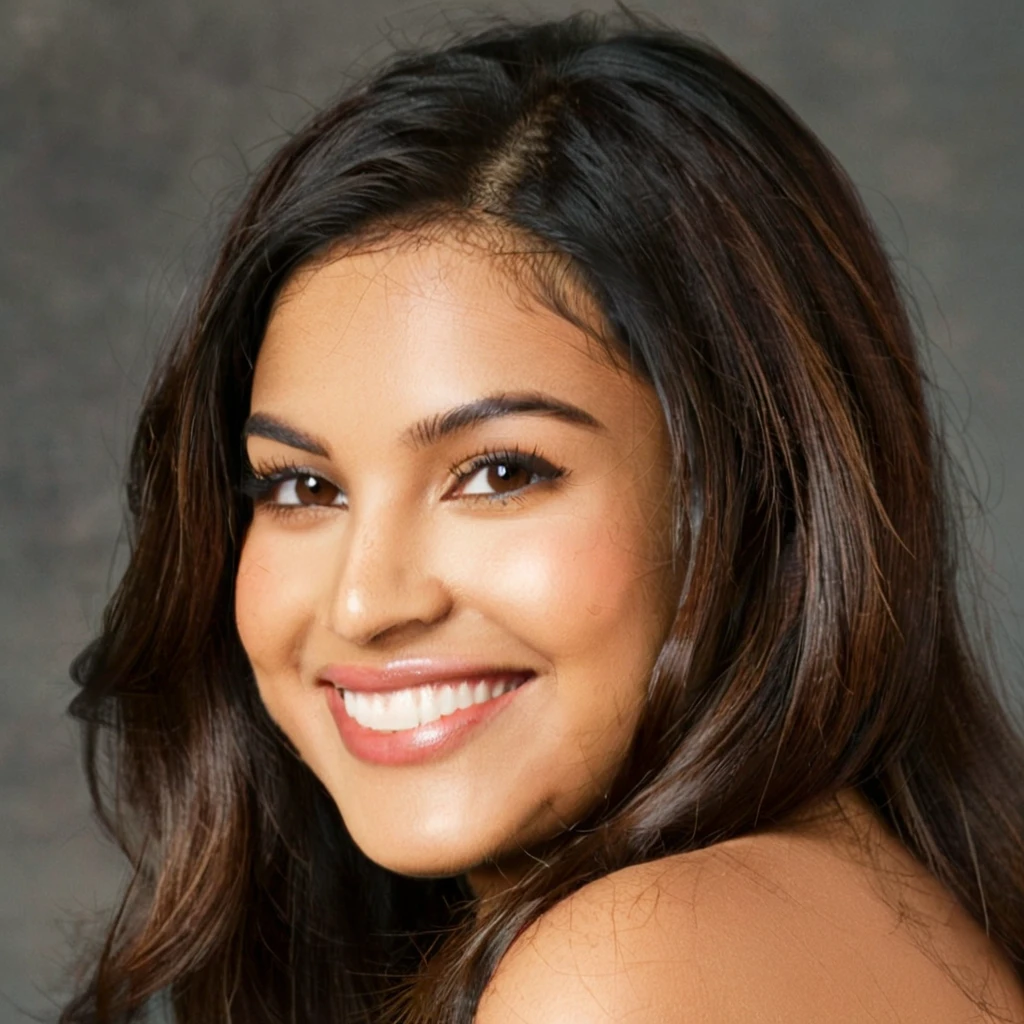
(502, 474)
(306, 489)
(293, 488)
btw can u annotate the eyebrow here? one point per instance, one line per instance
(262, 424)
(528, 403)
(432, 429)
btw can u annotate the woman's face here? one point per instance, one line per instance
(422, 559)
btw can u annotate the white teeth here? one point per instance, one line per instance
(403, 711)
(418, 705)
(445, 699)
(428, 704)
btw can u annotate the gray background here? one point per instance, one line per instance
(126, 130)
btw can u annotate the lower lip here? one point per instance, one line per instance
(412, 746)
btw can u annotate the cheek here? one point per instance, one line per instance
(567, 586)
(272, 602)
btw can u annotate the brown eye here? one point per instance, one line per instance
(505, 474)
(307, 489)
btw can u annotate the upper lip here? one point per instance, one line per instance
(400, 675)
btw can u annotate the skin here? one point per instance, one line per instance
(572, 579)
(828, 919)
(821, 920)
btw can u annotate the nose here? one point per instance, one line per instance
(384, 585)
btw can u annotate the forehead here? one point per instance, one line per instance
(414, 327)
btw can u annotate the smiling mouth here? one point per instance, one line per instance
(398, 710)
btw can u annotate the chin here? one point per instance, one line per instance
(419, 851)
(429, 862)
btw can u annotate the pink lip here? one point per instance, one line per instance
(433, 739)
(399, 675)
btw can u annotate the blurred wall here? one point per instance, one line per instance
(126, 128)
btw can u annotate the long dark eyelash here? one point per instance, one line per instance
(259, 484)
(515, 456)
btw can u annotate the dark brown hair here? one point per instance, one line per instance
(818, 644)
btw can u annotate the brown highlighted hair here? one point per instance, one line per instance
(818, 642)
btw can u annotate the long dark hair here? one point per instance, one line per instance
(818, 643)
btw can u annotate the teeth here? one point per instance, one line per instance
(402, 709)
(426, 705)
(418, 705)
(445, 699)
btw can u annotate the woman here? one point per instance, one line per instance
(541, 604)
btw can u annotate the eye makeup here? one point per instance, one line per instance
(502, 467)
(291, 489)
(311, 489)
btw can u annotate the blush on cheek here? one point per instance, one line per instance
(252, 591)
(268, 624)
(563, 590)
(268, 605)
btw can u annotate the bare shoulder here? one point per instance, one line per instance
(775, 927)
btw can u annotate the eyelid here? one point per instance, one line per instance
(259, 484)
(532, 461)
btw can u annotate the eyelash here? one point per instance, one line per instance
(260, 485)
(531, 461)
